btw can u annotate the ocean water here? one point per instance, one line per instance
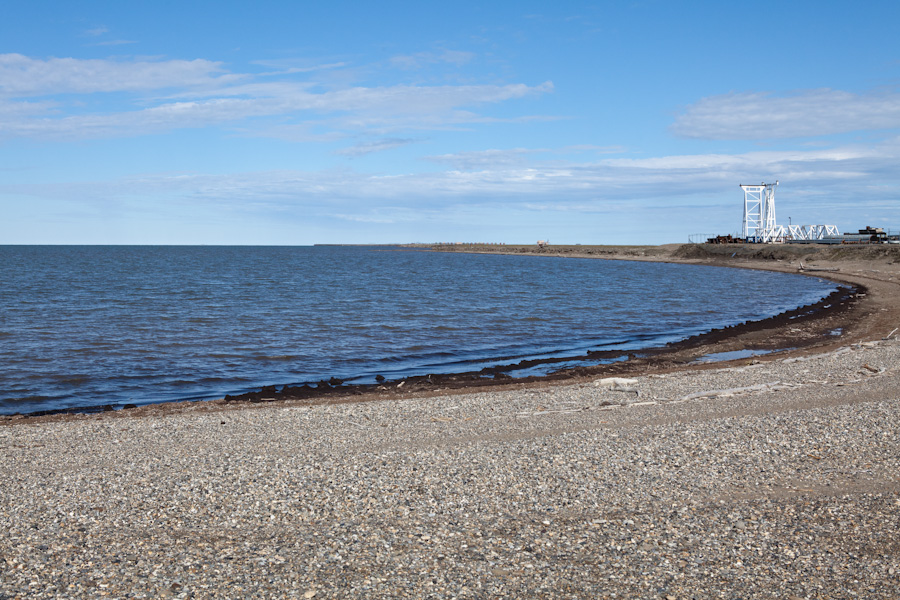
(89, 325)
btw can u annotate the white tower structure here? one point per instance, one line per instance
(760, 225)
(759, 214)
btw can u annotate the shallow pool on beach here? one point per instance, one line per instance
(89, 325)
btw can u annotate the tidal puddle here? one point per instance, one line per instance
(732, 355)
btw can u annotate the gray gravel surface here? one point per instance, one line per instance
(772, 480)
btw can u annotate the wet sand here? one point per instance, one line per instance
(767, 477)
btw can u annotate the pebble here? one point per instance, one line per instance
(771, 480)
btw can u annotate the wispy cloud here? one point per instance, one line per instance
(288, 67)
(101, 31)
(484, 159)
(22, 76)
(377, 146)
(170, 94)
(496, 158)
(96, 31)
(808, 113)
(385, 215)
(422, 59)
(868, 173)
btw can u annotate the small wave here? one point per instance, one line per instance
(70, 379)
(98, 349)
(25, 404)
(181, 383)
(276, 357)
(416, 356)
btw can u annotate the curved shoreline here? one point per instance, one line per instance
(773, 477)
(804, 330)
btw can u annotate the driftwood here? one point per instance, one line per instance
(759, 387)
(802, 268)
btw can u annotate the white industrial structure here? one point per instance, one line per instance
(760, 225)
(759, 213)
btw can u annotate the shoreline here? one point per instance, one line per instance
(771, 477)
(799, 331)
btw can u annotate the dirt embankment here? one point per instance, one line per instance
(788, 252)
(888, 253)
(623, 251)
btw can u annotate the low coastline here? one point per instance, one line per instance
(803, 330)
(770, 477)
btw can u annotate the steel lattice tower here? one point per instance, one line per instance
(759, 213)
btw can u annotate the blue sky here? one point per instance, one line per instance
(349, 122)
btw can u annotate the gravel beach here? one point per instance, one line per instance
(775, 476)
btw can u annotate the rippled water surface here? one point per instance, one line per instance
(84, 325)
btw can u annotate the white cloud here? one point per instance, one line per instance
(494, 158)
(664, 198)
(407, 99)
(377, 146)
(456, 57)
(284, 67)
(809, 113)
(484, 159)
(855, 172)
(422, 59)
(159, 118)
(101, 31)
(21, 76)
(200, 93)
(357, 109)
(384, 215)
